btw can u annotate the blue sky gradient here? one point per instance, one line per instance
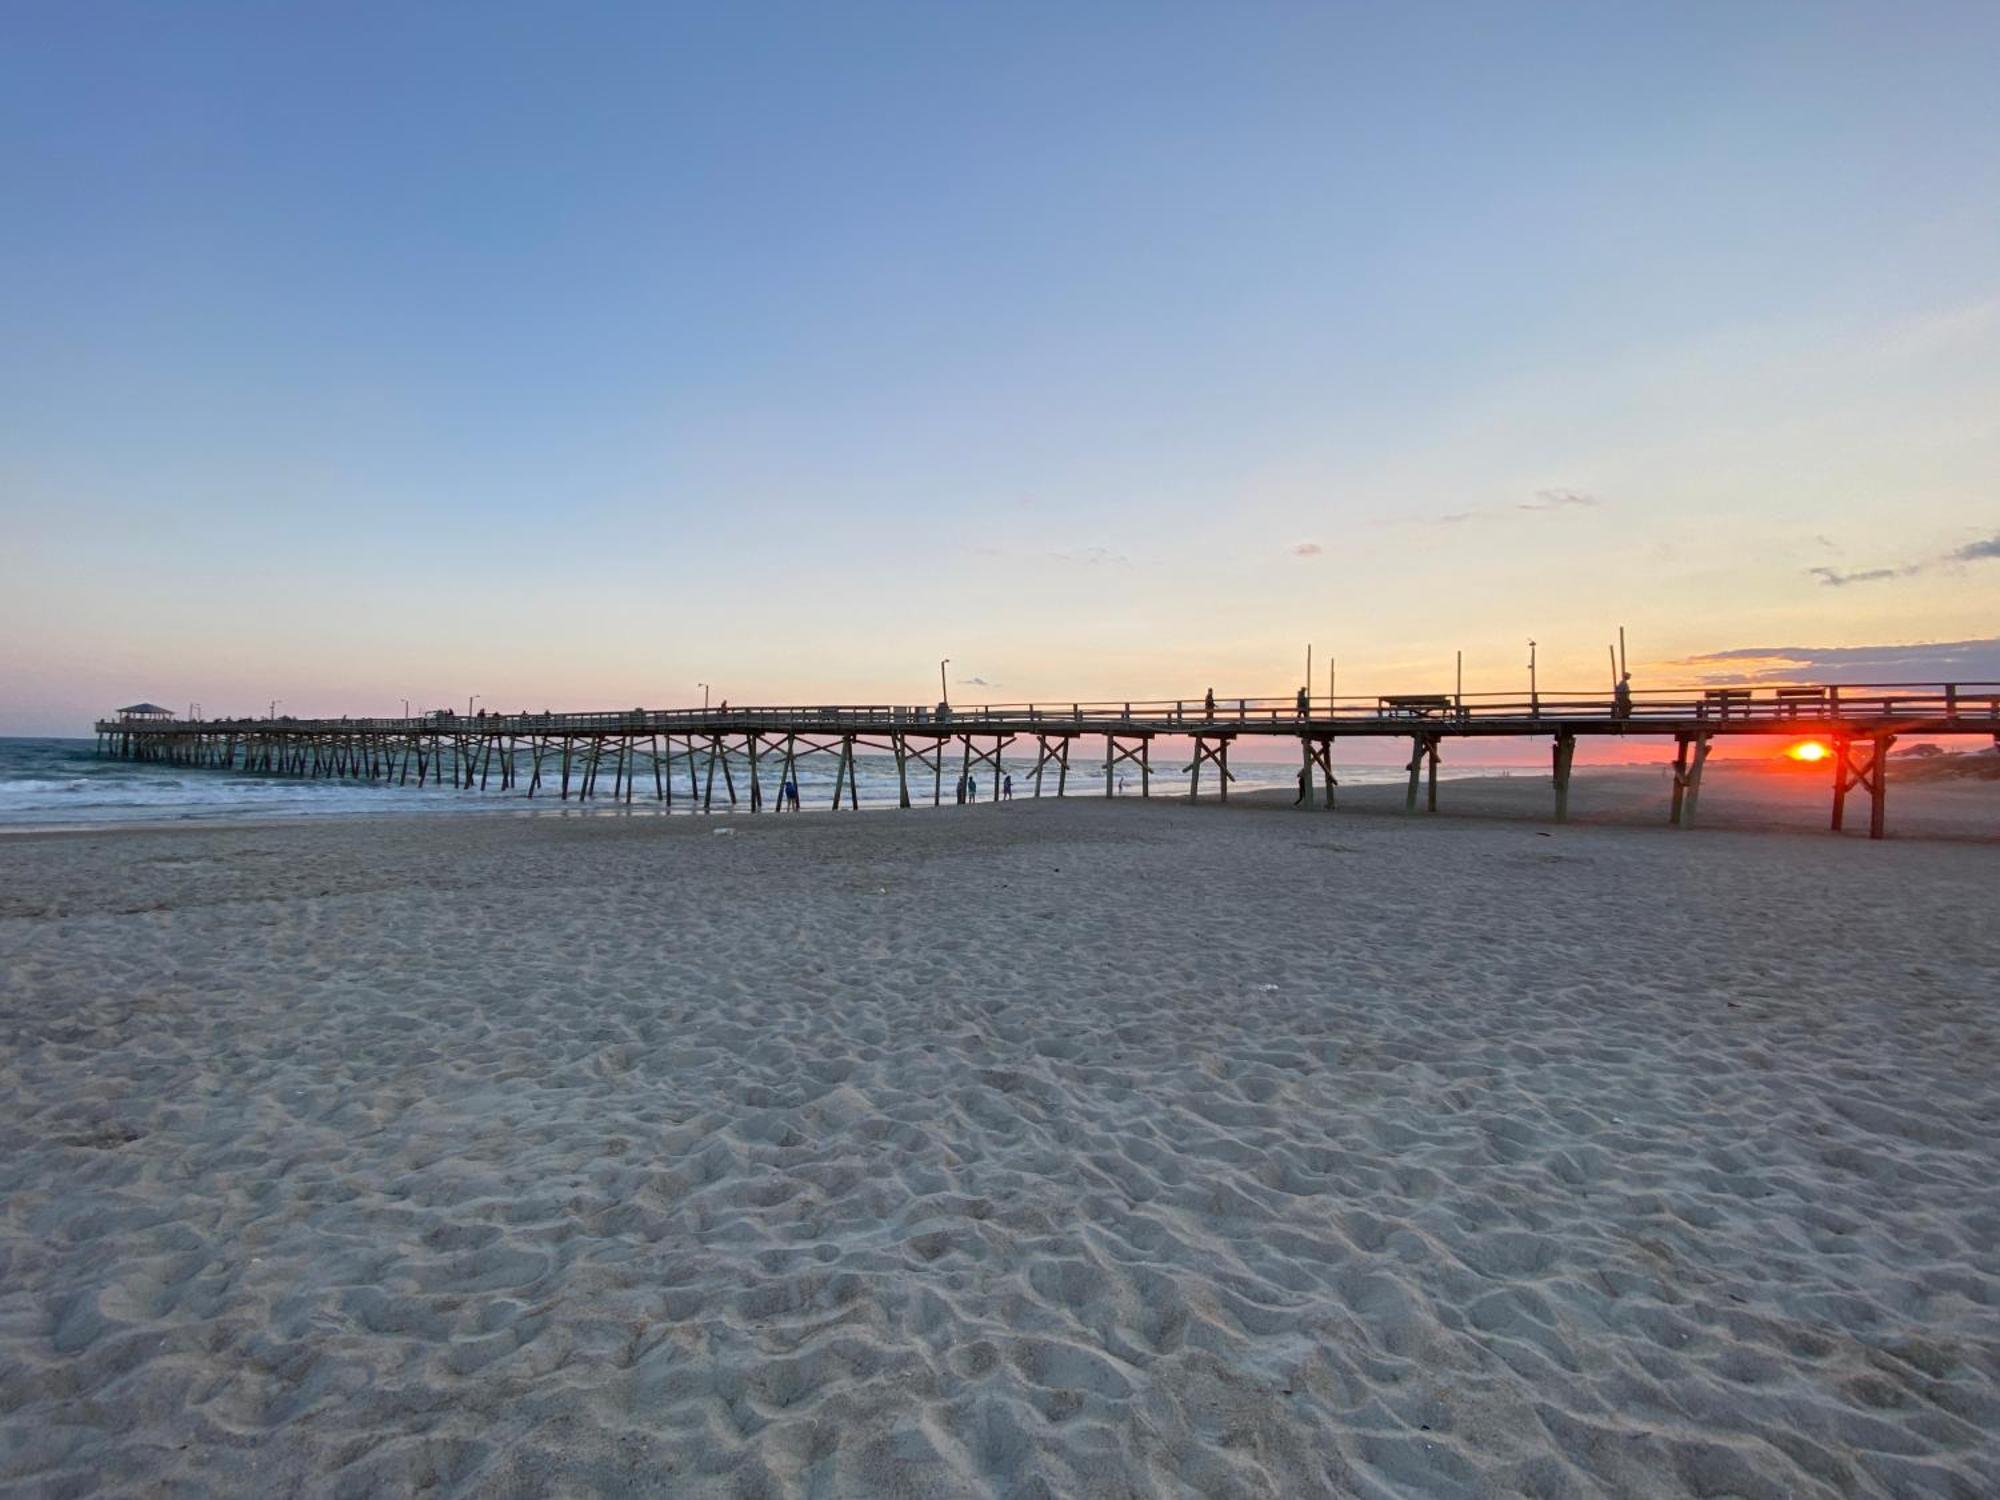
(577, 355)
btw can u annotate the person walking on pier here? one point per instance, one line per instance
(1621, 698)
(1208, 703)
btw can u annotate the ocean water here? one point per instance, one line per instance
(64, 783)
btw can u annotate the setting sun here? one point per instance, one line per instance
(1808, 750)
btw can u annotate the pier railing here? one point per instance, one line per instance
(1780, 708)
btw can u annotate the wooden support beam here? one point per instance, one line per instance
(1052, 750)
(1317, 751)
(843, 771)
(931, 760)
(1843, 778)
(788, 768)
(687, 749)
(1565, 753)
(976, 760)
(1691, 802)
(1878, 801)
(1423, 758)
(718, 754)
(1136, 749)
(1868, 769)
(1216, 754)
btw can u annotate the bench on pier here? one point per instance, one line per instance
(1413, 706)
(1793, 702)
(1725, 703)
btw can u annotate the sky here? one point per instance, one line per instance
(576, 356)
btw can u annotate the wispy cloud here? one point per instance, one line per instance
(1307, 549)
(1543, 502)
(1079, 557)
(976, 682)
(1559, 500)
(1835, 578)
(1985, 549)
(1925, 661)
(1090, 557)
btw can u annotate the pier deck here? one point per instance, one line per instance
(647, 750)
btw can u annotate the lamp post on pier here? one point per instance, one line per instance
(704, 695)
(1534, 696)
(944, 693)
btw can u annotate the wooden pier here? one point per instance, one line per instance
(695, 753)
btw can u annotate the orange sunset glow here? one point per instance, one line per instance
(1808, 751)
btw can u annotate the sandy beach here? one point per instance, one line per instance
(1092, 1149)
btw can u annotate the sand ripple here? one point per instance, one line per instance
(1099, 1152)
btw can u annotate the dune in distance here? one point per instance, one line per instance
(1083, 1149)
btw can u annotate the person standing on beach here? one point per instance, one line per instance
(1007, 789)
(972, 789)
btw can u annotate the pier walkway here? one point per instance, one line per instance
(646, 751)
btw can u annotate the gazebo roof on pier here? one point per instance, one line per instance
(145, 710)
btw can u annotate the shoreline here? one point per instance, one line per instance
(1745, 797)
